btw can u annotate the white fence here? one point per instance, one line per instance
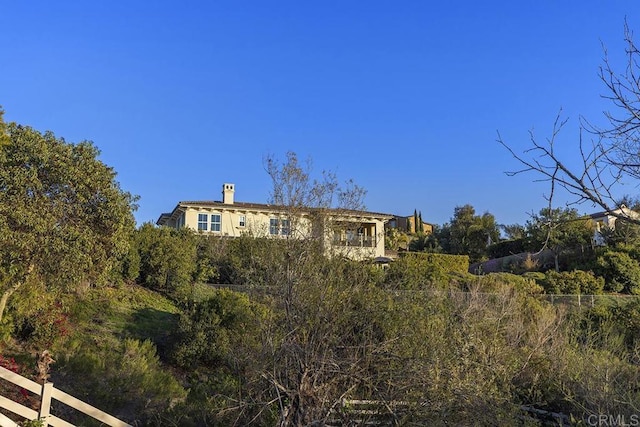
(47, 392)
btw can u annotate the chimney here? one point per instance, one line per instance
(227, 193)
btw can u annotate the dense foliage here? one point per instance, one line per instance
(63, 218)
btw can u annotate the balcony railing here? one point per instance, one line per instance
(355, 242)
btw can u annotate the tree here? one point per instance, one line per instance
(623, 234)
(559, 230)
(293, 187)
(168, 258)
(305, 199)
(513, 231)
(328, 341)
(610, 158)
(471, 234)
(423, 242)
(63, 218)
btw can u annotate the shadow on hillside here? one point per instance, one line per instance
(155, 325)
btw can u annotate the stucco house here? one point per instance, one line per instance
(607, 220)
(356, 234)
(407, 224)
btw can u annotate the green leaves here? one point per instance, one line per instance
(469, 234)
(63, 215)
(167, 257)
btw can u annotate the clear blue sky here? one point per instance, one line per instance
(404, 97)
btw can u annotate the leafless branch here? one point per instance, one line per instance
(609, 158)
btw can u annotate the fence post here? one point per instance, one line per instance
(45, 403)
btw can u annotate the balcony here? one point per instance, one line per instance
(355, 241)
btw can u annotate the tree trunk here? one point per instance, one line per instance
(11, 290)
(5, 297)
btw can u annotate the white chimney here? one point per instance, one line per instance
(227, 193)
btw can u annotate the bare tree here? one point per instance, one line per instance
(610, 156)
(293, 186)
(314, 361)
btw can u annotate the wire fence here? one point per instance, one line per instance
(570, 300)
(576, 300)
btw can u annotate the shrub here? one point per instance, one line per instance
(213, 330)
(572, 282)
(413, 270)
(620, 271)
(126, 379)
(498, 282)
(167, 257)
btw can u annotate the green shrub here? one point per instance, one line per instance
(572, 282)
(534, 275)
(413, 270)
(620, 271)
(167, 257)
(126, 379)
(214, 330)
(498, 282)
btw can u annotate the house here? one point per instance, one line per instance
(356, 234)
(407, 224)
(607, 220)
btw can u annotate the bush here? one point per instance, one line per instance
(167, 258)
(620, 271)
(126, 380)
(499, 282)
(212, 331)
(39, 318)
(572, 282)
(413, 270)
(256, 262)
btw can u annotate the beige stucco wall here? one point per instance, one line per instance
(257, 224)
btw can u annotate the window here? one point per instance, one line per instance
(242, 221)
(215, 222)
(202, 222)
(279, 226)
(274, 225)
(285, 227)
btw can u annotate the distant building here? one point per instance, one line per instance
(356, 234)
(607, 220)
(407, 224)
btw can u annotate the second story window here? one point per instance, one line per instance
(216, 222)
(202, 222)
(279, 226)
(285, 227)
(274, 226)
(242, 221)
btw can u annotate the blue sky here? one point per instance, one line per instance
(406, 98)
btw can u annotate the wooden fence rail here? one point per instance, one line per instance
(47, 392)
